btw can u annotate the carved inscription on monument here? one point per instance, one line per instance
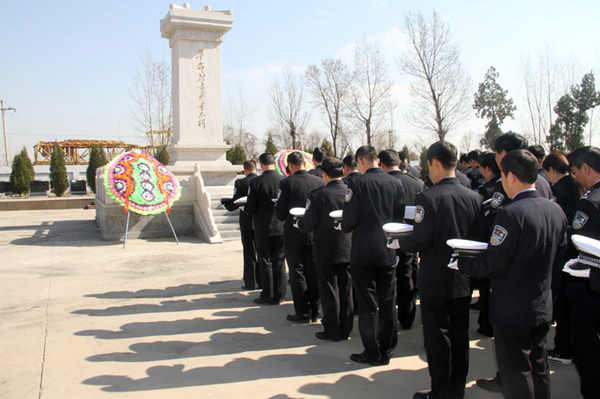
(202, 89)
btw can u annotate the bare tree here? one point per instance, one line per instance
(329, 85)
(237, 114)
(287, 105)
(545, 79)
(151, 94)
(370, 92)
(441, 89)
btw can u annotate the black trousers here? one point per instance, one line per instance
(406, 288)
(585, 322)
(446, 333)
(272, 268)
(335, 288)
(251, 274)
(377, 320)
(303, 280)
(484, 305)
(521, 353)
(562, 331)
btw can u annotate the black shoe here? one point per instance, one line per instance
(422, 395)
(321, 335)
(361, 358)
(314, 318)
(485, 332)
(558, 357)
(262, 302)
(491, 385)
(385, 359)
(245, 287)
(298, 319)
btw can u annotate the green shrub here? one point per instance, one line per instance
(236, 154)
(20, 176)
(162, 155)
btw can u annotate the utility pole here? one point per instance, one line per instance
(4, 128)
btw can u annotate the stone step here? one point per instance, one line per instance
(230, 235)
(226, 219)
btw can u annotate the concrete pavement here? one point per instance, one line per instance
(85, 318)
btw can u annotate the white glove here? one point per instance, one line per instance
(393, 244)
(453, 264)
(575, 273)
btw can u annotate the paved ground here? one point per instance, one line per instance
(84, 318)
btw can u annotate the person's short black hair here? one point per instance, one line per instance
(250, 165)
(537, 151)
(556, 161)
(389, 158)
(488, 160)
(267, 158)
(318, 154)
(474, 155)
(522, 164)
(350, 162)
(444, 152)
(509, 142)
(333, 167)
(586, 155)
(366, 152)
(295, 158)
(402, 156)
(464, 158)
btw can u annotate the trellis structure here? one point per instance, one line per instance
(77, 152)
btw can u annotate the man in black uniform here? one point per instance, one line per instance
(503, 145)
(583, 294)
(331, 251)
(293, 192)
(251, 275)
(318, 156)
(411, 170)
(474, 174)
(521, 258)
(268, 232)
(408, 263)
(447, 210)
(373, 199)
(349, 168)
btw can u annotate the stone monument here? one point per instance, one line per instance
(197, 153)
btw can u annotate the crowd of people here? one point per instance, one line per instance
(524, 204)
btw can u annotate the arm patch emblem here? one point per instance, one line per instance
(419, 214)
(498, 236)
(497, 199)
(579, 220)
(307, 204)
(348, 195)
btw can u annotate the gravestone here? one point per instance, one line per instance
(78, 187)
(38, 187)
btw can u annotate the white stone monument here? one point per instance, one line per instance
(195, 39)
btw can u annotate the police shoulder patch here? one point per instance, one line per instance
(348, 195)
(419, 214)
(579, 220)
(497, 199)
(498, 235)
(307, 204)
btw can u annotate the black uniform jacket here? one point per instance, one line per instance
(412, 185)
(263, 189)
(293, 194)
(241, 188)
(566, 194)
(500, 198)
(373, 199)
(317, 171)
(351, 176)
(527, 245)
(486, 190)
(329, 245)
(447, 210)
(586, 222)
(414, 172)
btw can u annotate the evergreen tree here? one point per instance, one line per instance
(270, 145)
(492, 102)
(236, 154)
(326, 145)
(19, 176)
(27, 163)
(58, 172)
(571, 115)
(162, 155)
(96, 160)
(423, 163)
